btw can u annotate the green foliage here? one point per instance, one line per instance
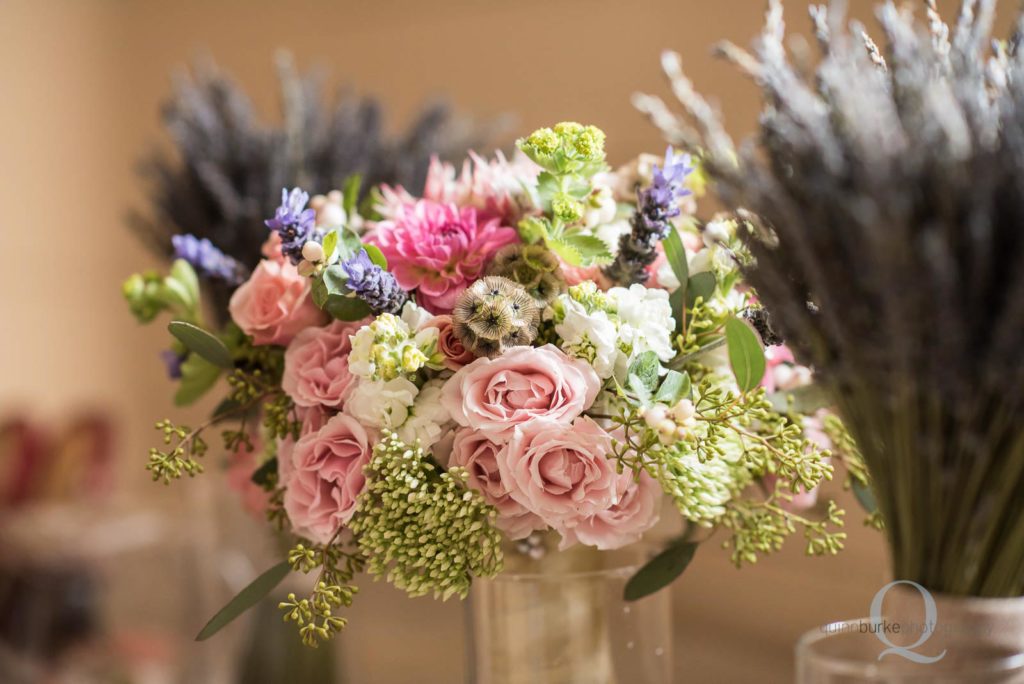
(645, 367)
(422, 529)
(350, 191)
(198, 376)
(746, 355)
(673, 388)
(201, 342)
(246, 599)
(661, 570)
(171, 464)
(330, 293)
(314, 615)
(149, 294)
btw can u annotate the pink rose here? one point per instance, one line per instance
(316, 365)
(525, 383)
(561, 473)
(439, 249)
(455, 353)
(326, 477)
(274, 304)
(311, 420)
(241, 465)
(634, 512)
(479, 456)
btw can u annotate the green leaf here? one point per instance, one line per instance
(201, 342)
(646, 368)
(674, 387)
(182, 272)
(700, 285)
(746, 356)
(677, 300)
(262, 475)
(197, 376)
(318, 291)
(376, 256)
(676, 255)
(569, 254)
(347, 307)
(350, 191)
(661, 570)
(246, 599)
(865, 496)
(592, 250)
(547, 186)
(330, 244)
(643, 394)
(806, 399)
(335, 281)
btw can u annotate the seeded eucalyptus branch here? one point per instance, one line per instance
(890, 183)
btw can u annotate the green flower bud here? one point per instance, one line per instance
(567, 208)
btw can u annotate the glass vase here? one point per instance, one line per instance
(560, 618)
(919, 638)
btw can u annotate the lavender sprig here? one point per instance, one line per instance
(373, 284)
(208, 261)
(657, 205)
(294, 223)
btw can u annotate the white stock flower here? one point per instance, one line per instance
(591, 337)
(428, 419)
(382, 403)
(646, 322)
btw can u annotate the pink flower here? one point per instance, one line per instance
(561, 473)
(241, 465)
(310, 420)
(525, 383)
(455, 353)
(316, 365)
(479, 456)
(439, 249)
(326, 476)
(271, 248)
(274, 304)
(634, 512)
(574, 275)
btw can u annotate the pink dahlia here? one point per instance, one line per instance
(439, 249)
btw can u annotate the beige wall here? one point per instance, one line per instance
(81, 81)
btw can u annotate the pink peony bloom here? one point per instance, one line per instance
(274, 304)
(439, 249)
(562, 473)
(496, 395)
(455, 353)
(326, 476)
(634, 512)
(316, 365)
(479, 456)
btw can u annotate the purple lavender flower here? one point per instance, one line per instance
(208, 261)
(294, 223)
(373, 284)
(657, 204)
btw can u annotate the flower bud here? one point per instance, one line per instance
(654, 415)
(666, 431)
(313, 251)
(684, 411)
(716, 232)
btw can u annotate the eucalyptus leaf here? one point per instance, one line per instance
(700, 285)
(246, 599)
(201, 342)
(675, 253)
(674, 387)
(746, 356)
(197, 377)
(661, 570)
(864, 496)
(376, 256)
(646, 368)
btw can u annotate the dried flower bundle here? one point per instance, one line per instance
(890, 181)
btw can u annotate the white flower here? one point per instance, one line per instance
(591, 337)
(646, 322)
(360, 359)
(382, 404)
(415, 316)
(428, 419)
(601, 207)
(611, 233)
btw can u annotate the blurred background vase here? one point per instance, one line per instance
(560, 618)
(977, 640)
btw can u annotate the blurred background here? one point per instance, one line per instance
(82, 83)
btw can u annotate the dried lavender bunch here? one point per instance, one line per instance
(891, 183)
(230, 165)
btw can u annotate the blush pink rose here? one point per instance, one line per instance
(325, 476)
(274, 304)
(439, 249)
(635, 511)
(448, 343)
(241, 465)
(316, 365)
(479, 456)
(523, 384)
(561, 473)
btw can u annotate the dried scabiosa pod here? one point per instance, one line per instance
(493, 314)
(889, 179)
(535, 267)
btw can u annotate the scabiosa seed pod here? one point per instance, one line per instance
(373, 284)
(494, 314)
(534, 267)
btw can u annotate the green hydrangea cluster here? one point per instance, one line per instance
(422, 529)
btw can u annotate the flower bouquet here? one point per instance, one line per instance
(535, 353)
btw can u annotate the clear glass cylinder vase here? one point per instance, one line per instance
(562, 619)
(920, 638)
